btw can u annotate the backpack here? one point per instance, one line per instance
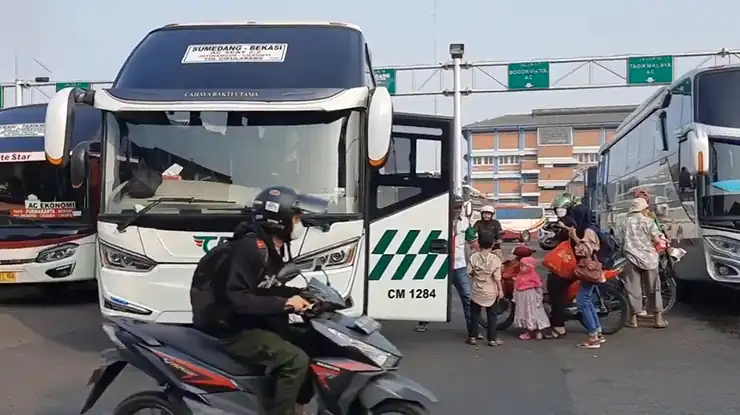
(607, 248)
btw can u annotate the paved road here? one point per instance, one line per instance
(48, 349)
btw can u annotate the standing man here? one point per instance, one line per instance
(459, 277)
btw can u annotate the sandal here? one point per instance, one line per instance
(495, 343)
(553, 334)
(525, 336)
(590, 344)
(660, 325)
(602, 339)
(421, 327)
(471, 341)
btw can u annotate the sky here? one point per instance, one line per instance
(89, 40)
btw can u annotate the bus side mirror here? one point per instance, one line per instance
(698, 144)
(468, 209)
(663, 129)
(379, 126)
(58, 126)
(78, 164)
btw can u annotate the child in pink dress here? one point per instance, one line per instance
(529, 313)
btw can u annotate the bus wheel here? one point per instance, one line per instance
(525, 236)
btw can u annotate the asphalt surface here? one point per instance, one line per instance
(49, 347)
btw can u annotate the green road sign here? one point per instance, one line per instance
(427, 266)
(62, 85)
(386, 78)
(650, 70)
(529, 75)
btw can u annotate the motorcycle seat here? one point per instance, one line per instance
(199, 346)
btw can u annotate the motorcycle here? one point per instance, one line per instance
(356, 375)
(548, 236)
(609, 299)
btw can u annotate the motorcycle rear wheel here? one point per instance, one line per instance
(150, 400)
(399, 408)
(616, 306)
(504, 321)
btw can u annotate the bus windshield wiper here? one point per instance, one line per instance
(29, 220)
(138, 215)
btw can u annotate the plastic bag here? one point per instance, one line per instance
(561, 261)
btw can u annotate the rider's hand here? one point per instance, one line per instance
(297, 304)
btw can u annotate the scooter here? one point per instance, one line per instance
(356, 375)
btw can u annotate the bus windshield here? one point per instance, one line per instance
(227, 158)
(717, 94)
(722, 191)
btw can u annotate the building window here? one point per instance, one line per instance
(510, 200)
(531, 200)
(529, 158)
(481, 161)
(508, 160)
(529, 178)
(588, 158)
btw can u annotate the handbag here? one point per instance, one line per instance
(589, 270)
(561, 261)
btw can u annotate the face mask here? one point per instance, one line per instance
(298, 231)
(561, 212)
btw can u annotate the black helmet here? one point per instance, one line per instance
(275, 207)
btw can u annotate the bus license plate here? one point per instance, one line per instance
(7, 277)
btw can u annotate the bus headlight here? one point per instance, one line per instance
(57, 253)
(724, 245)
(332, 257)
(120, 259)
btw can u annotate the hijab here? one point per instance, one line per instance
(583, 219)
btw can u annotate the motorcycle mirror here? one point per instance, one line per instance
(288, 272)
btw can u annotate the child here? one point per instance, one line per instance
(485, 272)
(529, 312)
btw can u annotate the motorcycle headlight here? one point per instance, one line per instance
(57, 253)
(120, 259)
(338, 256)
(724, 245)
(379, 357)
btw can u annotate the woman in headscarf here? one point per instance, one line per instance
(639, 234)
(585, 239)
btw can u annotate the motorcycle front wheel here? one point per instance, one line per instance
(612, 307)
(399, 408)
(150, 402)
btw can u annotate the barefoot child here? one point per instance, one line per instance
(530, 313)
(485, 272)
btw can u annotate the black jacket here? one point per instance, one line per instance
(493, 226)
(243, 294)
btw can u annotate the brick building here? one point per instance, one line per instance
(530, 158)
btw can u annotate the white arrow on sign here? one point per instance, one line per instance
(650, 80)
(528, 85)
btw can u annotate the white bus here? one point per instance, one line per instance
(682, 147)
(47, 225)
(202, 117)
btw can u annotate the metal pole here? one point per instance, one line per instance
(18, 92)
(457, 51)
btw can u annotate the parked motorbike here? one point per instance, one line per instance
(355, 375)
(609, 299)
(548, 236)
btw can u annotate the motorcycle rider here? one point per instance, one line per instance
(557, 286)
(248, 310)
(489, 223)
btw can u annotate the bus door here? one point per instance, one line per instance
(408, 228)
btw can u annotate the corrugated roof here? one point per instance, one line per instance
(583, 116)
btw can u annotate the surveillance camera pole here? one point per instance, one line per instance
(457, 50)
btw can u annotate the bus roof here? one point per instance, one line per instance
(256, 23)
(654, 103)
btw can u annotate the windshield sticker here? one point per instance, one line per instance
(45, 213)
(729, 186)
(21, 130)
(22, 156)
(236, 52)
(37, 204)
